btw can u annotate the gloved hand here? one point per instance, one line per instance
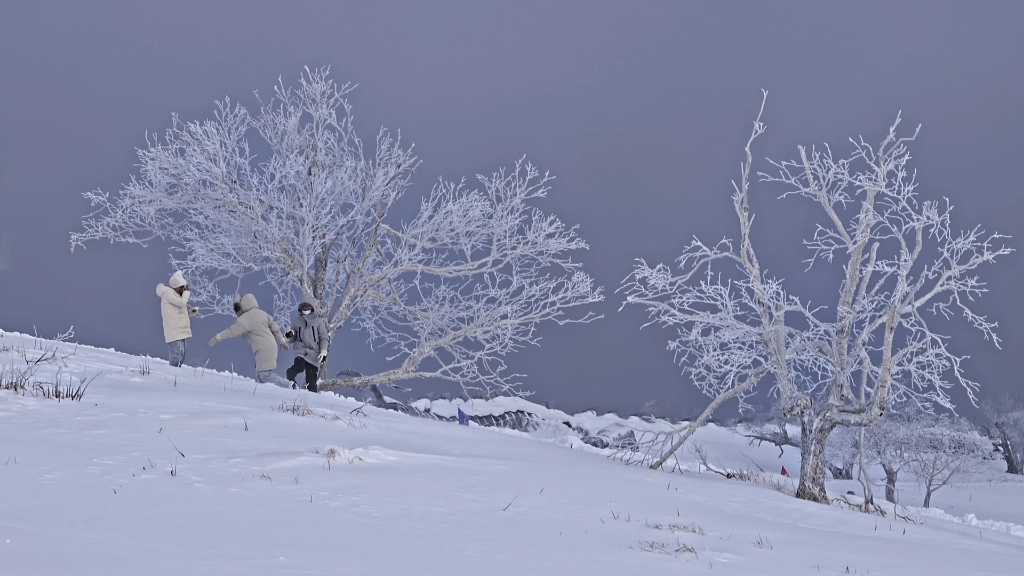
(284, 345)
(214, 340)
(290, 334)
(193, 311)
(322, 357)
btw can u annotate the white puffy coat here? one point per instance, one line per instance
(175, 312)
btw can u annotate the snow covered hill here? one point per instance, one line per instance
(160, 470)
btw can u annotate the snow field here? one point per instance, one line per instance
(257, 489)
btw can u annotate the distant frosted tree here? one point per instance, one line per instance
(946, 451)
(291, 196)
(841, 453)
(903, 266)
(1005, 416)
(893, 439)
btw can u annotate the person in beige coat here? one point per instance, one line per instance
(176, 315)
(263, 335)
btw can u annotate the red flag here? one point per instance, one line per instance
(784, 473)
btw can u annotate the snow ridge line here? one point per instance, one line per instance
(970, 520)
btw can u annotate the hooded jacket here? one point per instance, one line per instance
(177, 280)
(175, 312)
(310, 337)
(259, 329)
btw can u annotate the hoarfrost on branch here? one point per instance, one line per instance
(903, 266)
(450, 291)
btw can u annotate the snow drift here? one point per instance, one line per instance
(164, 470)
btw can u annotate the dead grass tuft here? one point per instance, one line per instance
(333, 454)
(690, 528)
(143, 368)
(763, 543)
(667, 548)
(296, 408)
(22, 381)
(761, 478)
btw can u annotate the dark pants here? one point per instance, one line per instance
(301, 364)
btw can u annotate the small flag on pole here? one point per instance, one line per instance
(463, 418)
(784, 473)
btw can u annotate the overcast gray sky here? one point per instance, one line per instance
(639, 108)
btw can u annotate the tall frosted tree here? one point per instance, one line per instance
(904, 270)
(291, 196)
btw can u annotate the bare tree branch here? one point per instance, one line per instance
(450, 293)
(903, 266)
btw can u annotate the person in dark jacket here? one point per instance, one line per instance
(310, 342)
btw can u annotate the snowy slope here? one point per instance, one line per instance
(88, 489)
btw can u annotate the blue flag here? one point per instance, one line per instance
(463, 418)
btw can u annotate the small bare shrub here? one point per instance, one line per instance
(57, 391)
(758, 478)
(22, 381)
(684, 548)
(49, 351)
(14, 380)
(296, 408)
(763, 543)
(335, 454)
(778, 484)
(143, 368)
(691, 528)
(303, 409)
(666, 548)
(350, 422)
(654, 547)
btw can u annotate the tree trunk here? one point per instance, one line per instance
(706, 415)
(928, 498)
(862, 474)
(890, 482)
(814, 431)
(1012, 465)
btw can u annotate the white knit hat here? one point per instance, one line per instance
(177, 280)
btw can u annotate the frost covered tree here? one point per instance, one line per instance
(903, 268)
(1005, 416)
(936, 449)
(291, 196)
(892, 439)
(848, 449)
(949, 449)
(886, 442)
(841, 452)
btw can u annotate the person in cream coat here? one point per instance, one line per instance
(176, 315)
